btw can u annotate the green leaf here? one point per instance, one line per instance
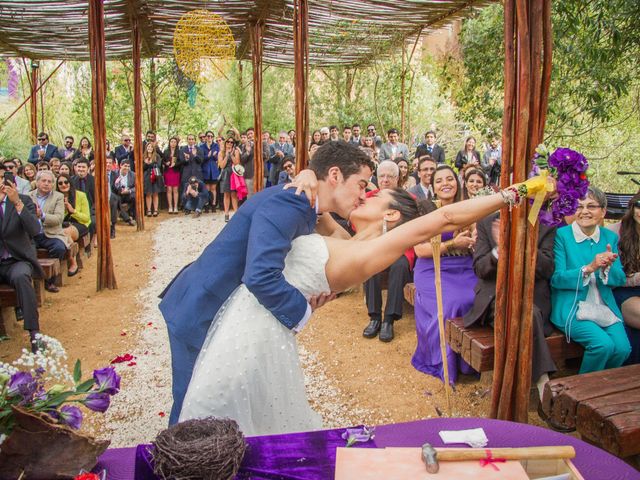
(85, 386)
(77, 372)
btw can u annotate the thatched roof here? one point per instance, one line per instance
(341, 32)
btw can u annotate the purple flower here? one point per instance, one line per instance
(107, 380)
(71, 416)
(98, 402)
(22, 384)
(353, 435)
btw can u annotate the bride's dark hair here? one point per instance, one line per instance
(405, 203)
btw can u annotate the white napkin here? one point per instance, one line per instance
(474, 437)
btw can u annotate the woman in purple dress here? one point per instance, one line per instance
(458, 282)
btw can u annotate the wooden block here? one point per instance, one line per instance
(612, 421)
(410, 293)
(50, 266)
(563, 395)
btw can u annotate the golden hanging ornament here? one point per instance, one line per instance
(203, 45)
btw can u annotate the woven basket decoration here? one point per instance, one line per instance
(203, 45)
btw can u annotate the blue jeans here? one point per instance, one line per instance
(194, 203)
(54, 246)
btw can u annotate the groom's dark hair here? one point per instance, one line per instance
(347, 157)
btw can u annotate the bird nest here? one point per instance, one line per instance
(203, 45)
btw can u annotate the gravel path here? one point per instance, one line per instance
(141, 409)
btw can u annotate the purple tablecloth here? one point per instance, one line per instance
(311, 455)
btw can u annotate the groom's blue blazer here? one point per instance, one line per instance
(251, 249)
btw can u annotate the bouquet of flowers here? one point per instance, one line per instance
(570, 170)
(41, 383)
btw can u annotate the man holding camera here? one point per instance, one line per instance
(18, 259)
(195, 196)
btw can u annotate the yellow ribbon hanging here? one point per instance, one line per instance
(542, 185)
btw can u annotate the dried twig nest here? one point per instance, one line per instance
(208, 448)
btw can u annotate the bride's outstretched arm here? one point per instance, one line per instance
(353, 262)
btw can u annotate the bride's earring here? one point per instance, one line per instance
(384, 226)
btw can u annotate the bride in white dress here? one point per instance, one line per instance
(249, 369)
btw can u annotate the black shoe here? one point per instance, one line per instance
(51, 287)
(113, 231)
(187, 212)
(19, 315)
(131, 222)
(372, 329)
(386, 331)
(226, 218)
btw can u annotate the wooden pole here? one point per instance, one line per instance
(526, 99)
(435, 245)
(301, 56)
(153, 96)
(256, 31)
(105, 273)
(137, 124)
(34, 101)
(403, 89)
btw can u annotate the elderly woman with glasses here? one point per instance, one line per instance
(587, 268)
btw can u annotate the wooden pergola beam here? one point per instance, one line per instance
(301, 67)
(137, 123)
(256, 34)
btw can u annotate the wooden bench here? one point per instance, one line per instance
(84, 245)
(475, 344)
(604, 407)
(74, 250)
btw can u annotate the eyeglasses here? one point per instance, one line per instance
(591, 207)
(9, 167)
(288, 167)
(371, 129)
(126, 140)
(63, 182)
(209, 136)
(636, 204)
(387, 175)
(41, 139)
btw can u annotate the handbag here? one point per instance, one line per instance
(598, 313)
(155, 173)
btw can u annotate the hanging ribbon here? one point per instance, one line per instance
(538, 200)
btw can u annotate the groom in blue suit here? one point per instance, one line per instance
(251, 249)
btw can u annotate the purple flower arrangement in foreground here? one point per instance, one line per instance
(30, 390)
(571, 172)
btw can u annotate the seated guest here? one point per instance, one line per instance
(43, 151)
(114, 200)
(50, 210)
(399, 274)
(84, 182)
(43, 165)
(288, 172)
(66, 167)
(628, 296)
(23, 186)
(84, 150)
(54, 165)
(29, 174)
(18, 259)
(195, 196)
(474, 181)
(426, 168)
(485, 266)
(587, 269)
(124, 186)
(458, 282)
(405, 180)
(77, 216)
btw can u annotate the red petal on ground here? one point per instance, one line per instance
(161, 414)
(131, 364)
(127, 357)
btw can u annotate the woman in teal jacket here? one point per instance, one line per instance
(586, 258)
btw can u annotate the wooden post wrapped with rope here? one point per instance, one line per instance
(301, 56)
(435, 247)
(33, 84)
(105, 273)
(137, 125)
(527, 72)
(256, 31)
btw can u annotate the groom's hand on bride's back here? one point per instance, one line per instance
(307, 182)
(319, 300)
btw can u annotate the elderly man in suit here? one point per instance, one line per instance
(426, 169)
(485, 265)
(278, 151)
(393, 149)
(43, 151)
(50, 210)
(430, 147)
(18, 259)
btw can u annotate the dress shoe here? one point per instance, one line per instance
(552, 423)
(51, 287)
(19, 315)
(372, 329)
(131, 222)
(113, 231)
(386, 331)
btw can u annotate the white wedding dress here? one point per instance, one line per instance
(248, 368)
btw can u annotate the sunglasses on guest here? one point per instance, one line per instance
(635, 204)
(63, 182)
